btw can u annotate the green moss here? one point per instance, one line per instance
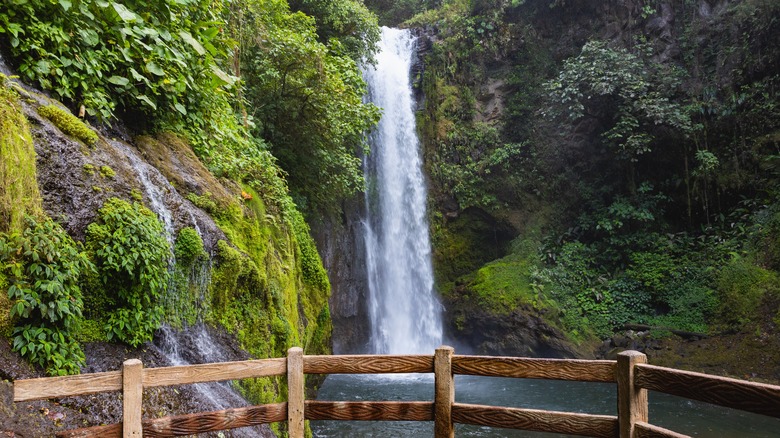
(136, 195)
(88, 169)
(504, 284)
(741, 288)
(19, 195)
(69, 124)
(188, 246)
(6, 322)
(107, 172)
(91, 330)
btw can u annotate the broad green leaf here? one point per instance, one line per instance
(154, 68)
(66, 4)
(189, 39)
(89, 36)
(220, 76)
(119, 80)
(146, 100)
(125, 14)
(180, 108)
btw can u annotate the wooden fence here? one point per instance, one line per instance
(634, 377)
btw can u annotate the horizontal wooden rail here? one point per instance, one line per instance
(367, 364)
(214, 372)
(632, 375)
(731, 393)
(190, 424)
(531, 419)
(369, 411)
(84, 384)
(644, 430)
(523, 367)
(65, 386)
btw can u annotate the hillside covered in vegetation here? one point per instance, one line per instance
(158, 158)
(598, 166)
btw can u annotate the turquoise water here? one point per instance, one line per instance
(680, 415)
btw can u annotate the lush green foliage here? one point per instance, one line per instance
(128, 246)
(306, 101)
(43, 266)
(394, 12)
(657, 166)
(348, 21)
(68, 123)
(135, 55)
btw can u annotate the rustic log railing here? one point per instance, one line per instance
(634, 377)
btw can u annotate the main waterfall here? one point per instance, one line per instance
(405, 315)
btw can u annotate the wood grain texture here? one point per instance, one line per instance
(732, 393)
(132, 398)
(367, 364)
(644, 430)
(214, 372)
(369, 411)
(296, 425)
(556, 369)
(444, 393)
(215, 421)
(52, 387)
(191, 424)
(632, 400)
(541, 421)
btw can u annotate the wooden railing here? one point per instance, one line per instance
(634, 377)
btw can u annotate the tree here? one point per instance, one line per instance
(305, 99)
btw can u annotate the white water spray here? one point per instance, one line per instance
(404, 313)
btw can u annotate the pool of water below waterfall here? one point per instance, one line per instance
(680, 415)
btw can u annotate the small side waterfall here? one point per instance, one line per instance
(405, 315)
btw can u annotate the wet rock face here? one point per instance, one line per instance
(342, 249)
(521, 333)
(75, 180)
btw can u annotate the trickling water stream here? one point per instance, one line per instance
(193, 344)
(404, 313)
(202, 348)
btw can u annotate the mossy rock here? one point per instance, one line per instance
(19, 194)
(6, 323)
(69, 124)
(188, 246)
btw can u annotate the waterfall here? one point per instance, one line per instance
(405, 315)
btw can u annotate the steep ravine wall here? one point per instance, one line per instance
(258, 290)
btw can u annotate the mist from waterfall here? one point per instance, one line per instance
(405, 315)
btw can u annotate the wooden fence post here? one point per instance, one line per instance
(632, 400)
(295, 393)
(133, 391)
(445, 392)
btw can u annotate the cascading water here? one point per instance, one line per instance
(404, 313)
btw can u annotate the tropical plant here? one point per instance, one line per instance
(43, 266)
(128, 246)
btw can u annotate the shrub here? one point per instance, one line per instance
(129, 248)
(43, 266)
(741, 288)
